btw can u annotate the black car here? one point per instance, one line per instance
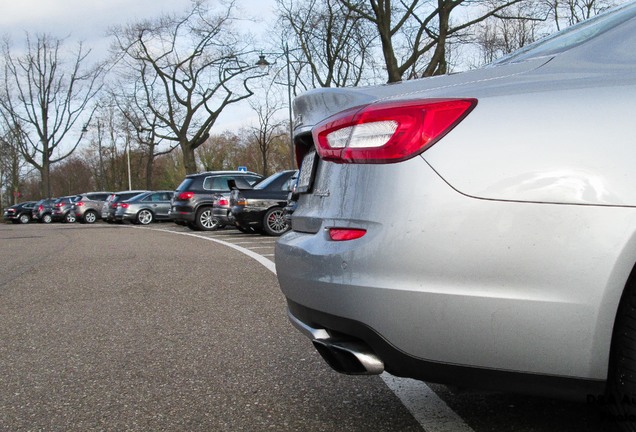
(61, 210)
(19, 213)
(194, 198)
(43, 210)
(262, 207)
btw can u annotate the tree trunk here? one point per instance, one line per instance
(189, 161)
(149, 167)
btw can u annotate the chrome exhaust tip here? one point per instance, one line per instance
(349, 357)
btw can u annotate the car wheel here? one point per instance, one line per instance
(24, 219)
(274, 222)
(90, 217)
(47, 219)
(144, 217)
(206, 221)
(621, 380)
(69, 218)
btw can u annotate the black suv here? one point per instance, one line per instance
(192, 201)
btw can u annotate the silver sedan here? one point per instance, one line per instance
(476, 229)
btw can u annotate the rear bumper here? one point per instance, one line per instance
(451, 280)
(223, 215)
(318, 325)
(184, 214)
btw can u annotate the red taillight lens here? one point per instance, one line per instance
(58, 205)
(79, 204)
(388, 132)
(40, 208)
(124, 205)
(224, 202)
(344, 234)
(185, 196)
(114, 205)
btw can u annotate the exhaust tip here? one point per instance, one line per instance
(349, 357)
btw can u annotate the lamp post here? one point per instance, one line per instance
(263, 64)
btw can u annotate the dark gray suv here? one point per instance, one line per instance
(193, 200)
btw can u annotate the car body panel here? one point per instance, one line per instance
(496, 306)
(506, 246)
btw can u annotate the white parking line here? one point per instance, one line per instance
(427, 408)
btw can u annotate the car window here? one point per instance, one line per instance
(185, 184)
(217, 183)
(268, 181)
(572, 36)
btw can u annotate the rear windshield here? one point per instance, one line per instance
(185, 184)
(572, 36)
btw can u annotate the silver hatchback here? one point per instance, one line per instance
(476, 229)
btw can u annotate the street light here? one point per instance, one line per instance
(264, 64)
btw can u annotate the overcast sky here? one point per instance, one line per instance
(89, 20)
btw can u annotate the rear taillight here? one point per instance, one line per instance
(184, 196)
(41, 208)
(344, 234)
(388, 132)
(114, 205)
(79, 204)
(58, 205)
(124, 205)
(223, 202)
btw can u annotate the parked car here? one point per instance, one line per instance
(110, 205)
(476, 229)
(88, 206)
(43, 210)
(145, 208)
(262, 208)
(193, 199)
(19, 213)
(62, 209)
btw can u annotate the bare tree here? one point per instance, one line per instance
(568, 12)
(44, 97)
(142, 126)
(504, 33)
(414, 34)
(12, 165)
(269, 129)
(331, 46)
(191, 68)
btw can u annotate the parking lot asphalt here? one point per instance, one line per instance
(106, 327)
(112, 328)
